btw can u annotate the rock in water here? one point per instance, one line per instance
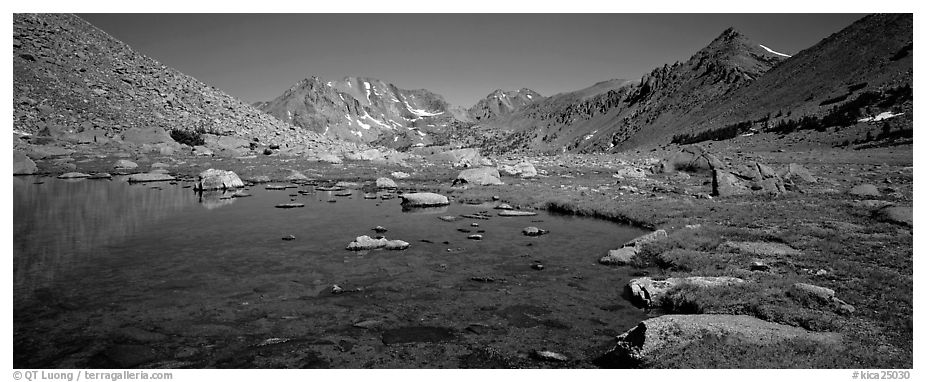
(73, 175)
(213, 179)
(385, 183)
(483, 176)
(516, 213)
(397, 245)
(533, 231)
(290, 205)
(22, 164)
(149, 177)
(424, 199)
(667, 336)
(365, 243)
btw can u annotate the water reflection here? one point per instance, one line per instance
(62, 222)
(211, 200)
(425, 210)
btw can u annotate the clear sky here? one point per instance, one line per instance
(463, 57)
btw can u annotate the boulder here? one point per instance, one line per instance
(631, 172)
(423, 199)
(523, 169)
(630, 249)
(125, 164)
(149, 177)
(895, 214)
(690, 158)
(668, 336)
(459, 157)
(796, 172)
(865, 190)
(203, 151)
(750, 180)
(620, 256)
(365, 242)
(648, 238)
(648, 292)
(22, 164)
(385, 183)
(531, 231)
(296, 176)
(400, 175)
(213, 179)
(483, 176)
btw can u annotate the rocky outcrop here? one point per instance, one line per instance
(22, 164)
(482, 176)
(423, 199)
(754, 179)
(213, 179)
(648, 292)
(647, 344)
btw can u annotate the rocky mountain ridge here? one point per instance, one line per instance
(72, 80)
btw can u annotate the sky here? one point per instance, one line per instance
(463, 57)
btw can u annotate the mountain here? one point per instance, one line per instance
(608, 116)
(363, 109)
(503, 103)
(72, 77)
(874, 54)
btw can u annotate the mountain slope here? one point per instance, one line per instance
(72, 77)
(597, 120)
(872, 54)
(363, 109)
(503, 103)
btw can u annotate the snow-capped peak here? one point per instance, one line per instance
(773, 52)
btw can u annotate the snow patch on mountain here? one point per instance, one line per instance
(773, 52)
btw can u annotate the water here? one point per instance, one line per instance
(108, 274)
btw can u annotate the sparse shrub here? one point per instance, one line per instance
(188, 137)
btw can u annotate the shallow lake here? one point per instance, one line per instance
(112, 274)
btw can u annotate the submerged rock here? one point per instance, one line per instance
(213, 179)
(149, 177)
(424, 199)
(516, 213)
